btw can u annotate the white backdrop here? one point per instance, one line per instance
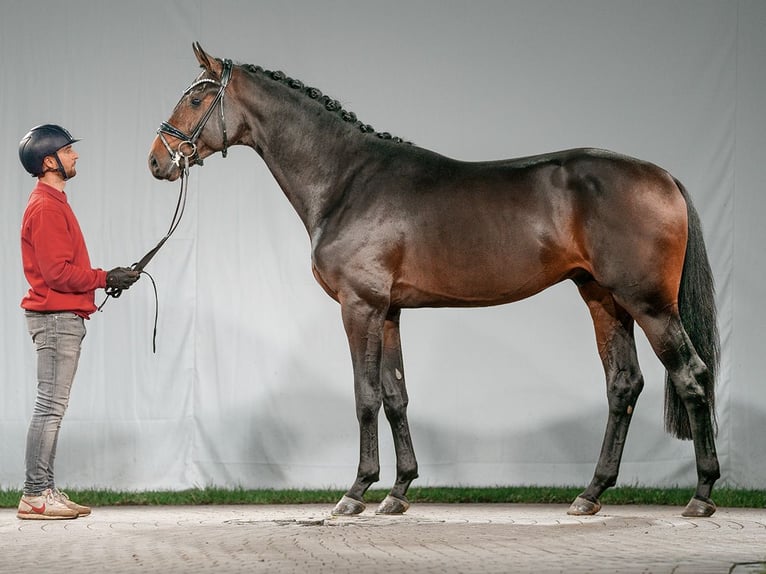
(251, 385)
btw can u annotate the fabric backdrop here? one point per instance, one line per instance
(251, 384)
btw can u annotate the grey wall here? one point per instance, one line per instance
(251, 384)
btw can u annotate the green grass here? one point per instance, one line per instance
(724, 497)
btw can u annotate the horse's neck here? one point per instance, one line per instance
(310, 154)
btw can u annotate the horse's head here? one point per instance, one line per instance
(187, 137)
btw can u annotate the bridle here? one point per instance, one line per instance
(187, 143)
(178, 157)
(190, 140)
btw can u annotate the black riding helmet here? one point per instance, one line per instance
(40, 142)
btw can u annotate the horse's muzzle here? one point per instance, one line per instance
(163, 169)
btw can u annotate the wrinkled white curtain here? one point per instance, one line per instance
(251, 384)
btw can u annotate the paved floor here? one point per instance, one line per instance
(430, 538)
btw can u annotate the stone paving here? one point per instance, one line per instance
(430, 538)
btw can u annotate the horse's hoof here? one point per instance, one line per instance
(584, 507)
(392, 505)
(698, 508)
(348, 506)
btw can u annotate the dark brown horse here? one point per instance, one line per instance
(396, 226)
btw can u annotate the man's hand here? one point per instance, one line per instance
(121, 278)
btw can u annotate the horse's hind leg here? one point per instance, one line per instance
(395, 406)
(690, 377)
(624, 382)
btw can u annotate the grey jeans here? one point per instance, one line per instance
(57, 338)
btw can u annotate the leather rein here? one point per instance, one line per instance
(183, 157)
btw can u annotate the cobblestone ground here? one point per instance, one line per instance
(430, 538)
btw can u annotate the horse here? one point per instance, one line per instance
(395, 226)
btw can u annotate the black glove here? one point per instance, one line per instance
(121, 278)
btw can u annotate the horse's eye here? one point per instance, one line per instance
(196, 102)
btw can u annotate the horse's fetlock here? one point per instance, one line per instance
(368, 476)
(605, 479)
(710, 470)
(407, 475)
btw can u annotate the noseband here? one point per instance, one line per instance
(187, 147)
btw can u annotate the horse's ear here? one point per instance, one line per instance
(211, 64)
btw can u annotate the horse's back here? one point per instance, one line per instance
(452, 233)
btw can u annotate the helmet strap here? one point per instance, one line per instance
(61, 169)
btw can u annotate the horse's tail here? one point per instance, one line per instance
(696, 305)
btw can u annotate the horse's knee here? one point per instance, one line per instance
(395, 407)
(395, 398)
(367, 410)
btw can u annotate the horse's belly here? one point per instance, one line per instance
(484, 282)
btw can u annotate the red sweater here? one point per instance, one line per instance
(56, 261)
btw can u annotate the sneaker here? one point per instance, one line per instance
(44, 507)
(64, 499)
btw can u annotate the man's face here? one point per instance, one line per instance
(68, 158)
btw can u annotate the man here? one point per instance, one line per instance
(61, 296)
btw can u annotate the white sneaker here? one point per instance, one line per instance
(64, 498)
(44, 507)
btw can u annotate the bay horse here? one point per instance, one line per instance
(395, 226)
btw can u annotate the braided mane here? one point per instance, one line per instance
(330, 104)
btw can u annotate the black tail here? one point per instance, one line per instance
(696, 305)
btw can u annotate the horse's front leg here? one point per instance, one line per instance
(395, 402)
(364, 329)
